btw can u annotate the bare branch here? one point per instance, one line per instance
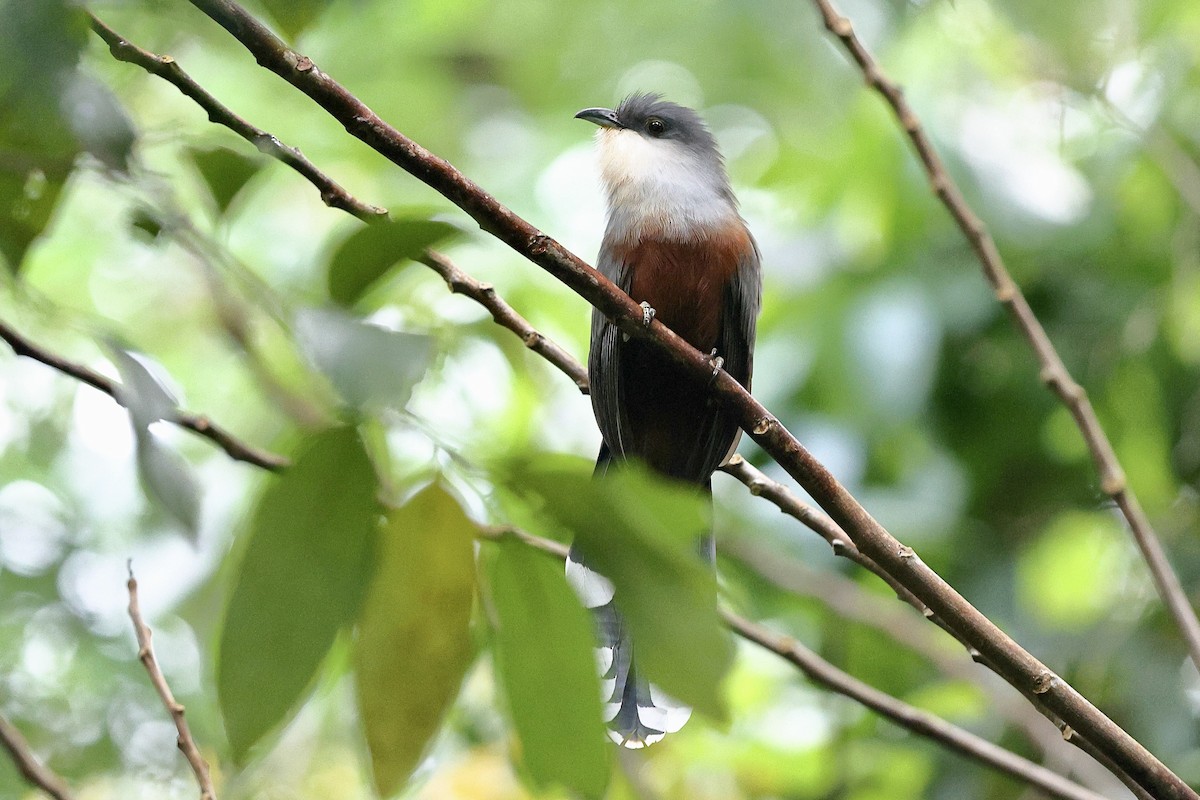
(165, 67)
(815, 520)
(920, 722)
(187, 745)
(1018, 666)
(462, 283)
(1053, 371)
(32, 770)
(851, 601)
(196, 423)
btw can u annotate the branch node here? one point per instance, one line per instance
(907, 552)
(304, 64)
(763, 425)
(1044, 682)
(1113, 483)
(538, 244)
(532, 339)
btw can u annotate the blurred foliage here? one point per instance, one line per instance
(1072, 128)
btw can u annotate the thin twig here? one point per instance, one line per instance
(826, 674)
(199, 424)
(334, 195)
(32, 770)
(1015, 664)
(462, 283)
(913, 719)
(851, 601)
(1053, 372)
(185, 742)
(165, 67)
(815, 520)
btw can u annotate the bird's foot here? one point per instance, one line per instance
(648, 313)
(716, 362)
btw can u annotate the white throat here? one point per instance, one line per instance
(657, 187)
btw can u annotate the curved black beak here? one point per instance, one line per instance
(604, 117)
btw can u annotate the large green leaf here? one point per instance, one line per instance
(372, 251)
(641, 532)
(544, 642)
(302, 578)
(414, 643)
(370, 366)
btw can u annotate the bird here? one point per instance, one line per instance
(675, 242)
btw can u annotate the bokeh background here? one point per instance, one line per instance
(1074, 130)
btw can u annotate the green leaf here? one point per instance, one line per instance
(225, 172)
(370, 366)
(372, 251)
(641, 532)
(544, 642)
(307, 562)
(293, 16)
(414, 643)
(39, 49)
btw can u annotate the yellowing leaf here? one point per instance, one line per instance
(413, 643)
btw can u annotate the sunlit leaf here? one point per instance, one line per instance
(544, 651)
(370, 366)
(1065, 577)
(371, 252)
(642, 532)
(225, 172)
(413, 643)
(308, 560)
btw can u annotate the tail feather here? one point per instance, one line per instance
(637, 712)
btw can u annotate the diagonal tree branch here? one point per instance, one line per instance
(332, 194)
(1018, 666)
(199, 424)
(187, 745)
(902, 714)
(32, 770)
(459, 282)
(335, 196)
(1054, 372)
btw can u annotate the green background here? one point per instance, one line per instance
(1073, 129)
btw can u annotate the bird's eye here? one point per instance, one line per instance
(655, 127)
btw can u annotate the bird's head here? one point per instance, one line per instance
(655, 153)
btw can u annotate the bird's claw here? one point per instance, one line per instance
(648, 313)
(716, 362)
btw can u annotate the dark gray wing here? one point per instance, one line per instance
(604, 357)
(739, 323)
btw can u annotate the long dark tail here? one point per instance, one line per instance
(638, 713)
